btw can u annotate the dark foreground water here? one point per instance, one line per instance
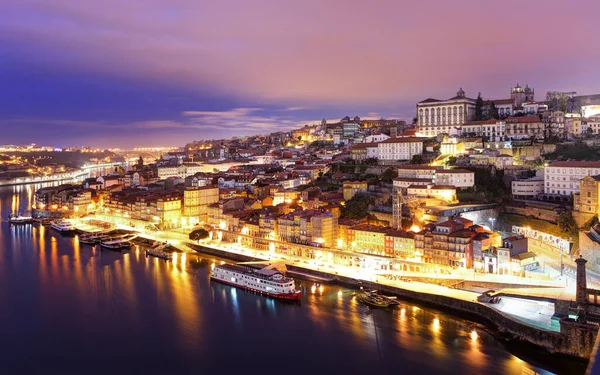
(71, 309)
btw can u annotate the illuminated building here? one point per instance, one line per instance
(394, 149)
(351, 188)
(442, 116)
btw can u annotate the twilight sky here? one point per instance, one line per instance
(164, 72)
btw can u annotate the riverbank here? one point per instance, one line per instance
(573, 339)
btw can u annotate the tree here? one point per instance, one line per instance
(357, 207)
(371, 161)
(493, 112)
(416, 159)
(198, 234)
(479, 108)
(389, 174)
(566, 222)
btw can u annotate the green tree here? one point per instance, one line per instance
(493, 112)
(479, 108)
(416, 159)
(566, 222)
(371, 161)
(198, 234)
(389, 174)
(357, 207)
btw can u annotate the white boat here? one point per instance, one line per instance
(19, 219)
(265, 281)
(63, 227)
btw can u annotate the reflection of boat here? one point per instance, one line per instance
(63, 227)
(265, 281)
(373, 298)
(19, 219)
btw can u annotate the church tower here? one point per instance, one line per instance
(517, 94)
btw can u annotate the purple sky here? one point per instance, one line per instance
(149, 72)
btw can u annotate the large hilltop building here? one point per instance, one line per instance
(448, 116)
(436, 116)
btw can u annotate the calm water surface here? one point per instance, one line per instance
(67, 308)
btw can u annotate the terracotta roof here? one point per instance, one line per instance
(419, 166)
(523, 119)
(430, 100)
(482, 122)
(575, 164)
(403, 179)
(402, 140)
(401, 233)
(455, 171)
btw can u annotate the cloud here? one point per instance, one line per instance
(293, 54)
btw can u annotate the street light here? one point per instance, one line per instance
(492, 219)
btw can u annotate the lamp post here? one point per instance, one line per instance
(492, 219)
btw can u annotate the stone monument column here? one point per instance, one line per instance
(581, 295)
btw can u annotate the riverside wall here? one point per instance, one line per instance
(574, 339)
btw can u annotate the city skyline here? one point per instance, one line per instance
(118, 75)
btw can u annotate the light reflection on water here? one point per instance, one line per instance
(102, 304)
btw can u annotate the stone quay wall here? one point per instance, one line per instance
(574, 339)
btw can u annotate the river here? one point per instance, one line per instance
(67, 308)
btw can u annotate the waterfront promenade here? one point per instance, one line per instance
(532, 312)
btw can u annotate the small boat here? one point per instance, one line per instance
(63, 227)
(115, 244)
(158, 251)
(46, 222)
(19, 219)
(92, 239)
(374, 299)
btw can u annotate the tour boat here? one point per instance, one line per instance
(19, 219)
(63, 227)
(265, 281)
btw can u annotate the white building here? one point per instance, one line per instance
(399, 149)
(527, 188)
(492, 129)
(460, 178)
(562, 177)
(436, 116)
(376, 138)
(180, 170)
(426, 175)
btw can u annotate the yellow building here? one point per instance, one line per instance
(168, 212)
(351, 188)
(197, 199)
(368, 239)
(589, 193)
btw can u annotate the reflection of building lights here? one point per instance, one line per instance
(339, 293)
(436, 324)
(403, 312)
(321, 289)
(473, 335)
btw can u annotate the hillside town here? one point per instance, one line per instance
(485, 186)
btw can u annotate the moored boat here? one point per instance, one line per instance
(269, 282)
(63, 227)
(19, 219)
(115, 244)
(373, 299)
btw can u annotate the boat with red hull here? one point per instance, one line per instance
(269, 282)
